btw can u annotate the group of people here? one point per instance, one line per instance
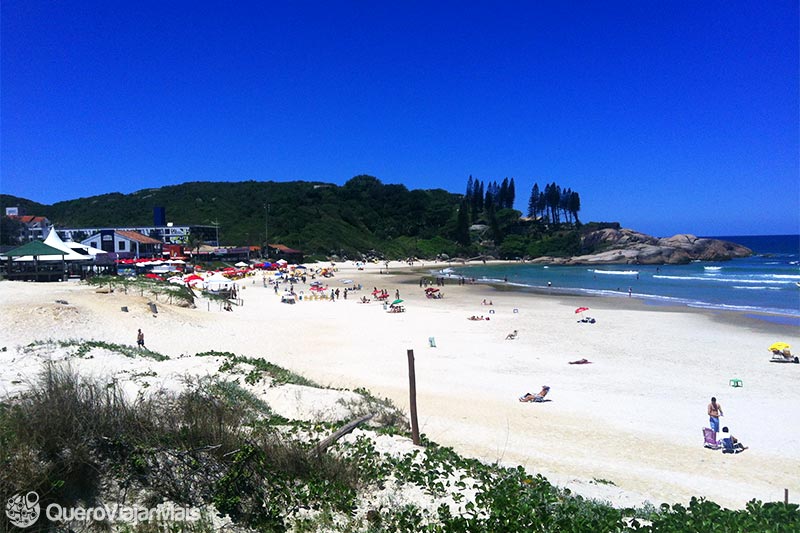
(425, 282)
(730, 444)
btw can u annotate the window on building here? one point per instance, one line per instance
(121, 246)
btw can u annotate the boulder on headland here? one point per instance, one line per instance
(625, 246)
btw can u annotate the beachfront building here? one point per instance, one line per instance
(167, 234)
(228, 253)
(125, 244)
(51, 260)
(280, 251)
(34, 261)
(33, 227)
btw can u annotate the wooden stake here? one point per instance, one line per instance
(412, 389)
(323, 445)
(786, 496)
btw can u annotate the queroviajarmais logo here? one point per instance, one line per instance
(23, 509)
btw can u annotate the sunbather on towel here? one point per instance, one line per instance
(581, 362)
(536, 397)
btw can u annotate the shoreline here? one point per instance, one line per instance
(777, 316)
(632, 418)
(778, 323)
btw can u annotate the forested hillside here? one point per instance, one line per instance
(320, 218)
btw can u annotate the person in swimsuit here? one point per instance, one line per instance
(714, 412)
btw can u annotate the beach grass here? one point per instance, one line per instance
(70, 438)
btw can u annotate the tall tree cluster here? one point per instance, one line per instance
(489, 196)
(554, 204)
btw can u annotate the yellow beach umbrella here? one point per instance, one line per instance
(779, 347)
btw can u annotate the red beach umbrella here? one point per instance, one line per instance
(581, 310)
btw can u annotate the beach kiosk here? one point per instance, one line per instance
(35, 261)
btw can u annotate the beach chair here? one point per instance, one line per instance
(710, 439)
(511, 336)
(728, 446)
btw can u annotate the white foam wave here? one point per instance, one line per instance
(616, 272)
(669, 300)
(726, 280)
(713, 268)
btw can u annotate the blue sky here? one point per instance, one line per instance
(667, 116)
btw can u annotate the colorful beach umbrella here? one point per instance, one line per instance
(397, 302)
(779, 347)
(581, 310)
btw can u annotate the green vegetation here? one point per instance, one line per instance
(363, 217)
(158, 290)
(80, 441)
(83, 348)
(279, 375)
(68, 437)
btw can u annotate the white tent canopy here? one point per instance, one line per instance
(55, 241)
(217, 282)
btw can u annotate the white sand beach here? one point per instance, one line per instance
(626, 428)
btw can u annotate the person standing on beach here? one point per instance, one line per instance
(714, 412)
(140, 339)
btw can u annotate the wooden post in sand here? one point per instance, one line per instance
(412, 389)
(786, 496)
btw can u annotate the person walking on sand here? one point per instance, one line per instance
(714, 412)
(140, 339)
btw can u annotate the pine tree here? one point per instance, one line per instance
(575, 205)
(511, 194)
(563, 204)
(502, 195)
(477, 199)
(533, 202)
(462, 224)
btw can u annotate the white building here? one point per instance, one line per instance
(125, 244)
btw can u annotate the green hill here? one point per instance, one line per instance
(363, 214)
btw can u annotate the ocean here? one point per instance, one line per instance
(765, 283)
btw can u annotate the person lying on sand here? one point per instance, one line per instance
(581, 362)
(784, 356)
(511, 336)
(537, 398)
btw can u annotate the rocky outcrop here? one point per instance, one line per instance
(625, 246)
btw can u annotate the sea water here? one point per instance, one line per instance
(766, 282)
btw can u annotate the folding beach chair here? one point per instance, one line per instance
(710, 439)
(728, 446)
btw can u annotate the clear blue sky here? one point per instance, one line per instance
(667, 116)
